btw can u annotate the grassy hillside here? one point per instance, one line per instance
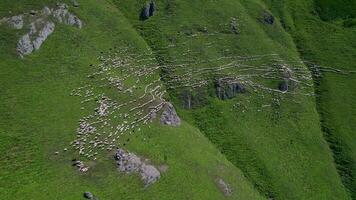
(266, 144)
(280, 149)
(39, 117)
(329, 44)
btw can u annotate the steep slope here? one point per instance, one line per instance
(322, 37)
(274, 138)
(39, 117)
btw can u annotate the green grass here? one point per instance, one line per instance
(38, 117)
(290, 150)
(279, 153)
(330, 45)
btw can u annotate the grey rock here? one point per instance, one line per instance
(268, 18)
(24, 46)
(43, 34)
(75, 3)
(16, 21)
(88, 195)
(149, 174)
(73, 20)
(224, 187)
(170, 116)
(46, 11)
(131, 163)
(145, 12)
(41, 26)
(283, 86)
(127, 162)
(228, 88)
(234, 25)
(33, 12)
(152, 8)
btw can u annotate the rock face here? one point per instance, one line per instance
(227, 88)
(287, 75)
(224, 187)
(148, 11)
(130, 163)
(16, 22)
(145, 13)
(283, 86)
(268, 18)
(41, 25)
(152, 8)
(169, 116)
(233, 25)
(89, 195)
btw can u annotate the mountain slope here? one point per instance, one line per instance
(39, 117)
(281, 149)
(329, 43)
(264, 141)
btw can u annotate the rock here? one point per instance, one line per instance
(46, 11)
(130, 163)
(233, 25)
(62, 15)
(127, 162)
(224, 187)
(33, 12)
(41, 26)
(169, 116)
(152, 8)
(75, 3)
(227, 88)
(47, 30)
(149, 174)
(25, 46)
(283, 86)
(88, 195)
(16, 21)
(145, 12)
(74, 21)
(268, 18)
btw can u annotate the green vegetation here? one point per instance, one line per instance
(264, 144)
(331, 45)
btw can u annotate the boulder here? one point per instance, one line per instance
(170, 116)
(268, 18)
(130, 163)
(16, 21)
(149, 174)
(233, 25)
(152, 8)
(24, 46)
(127, 162)
(145, 12)
(224, 187)
(75, 3)
(283, 86)
(88, 195)
(228, 88)
(47, 30)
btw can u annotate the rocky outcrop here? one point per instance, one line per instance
(224, 187)
(170, 116)
(287, 75)
(234, 25)
(267, 18)
(148, 10)
(228, 88)
(89, 195)
(41, 25)
(130, 163)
